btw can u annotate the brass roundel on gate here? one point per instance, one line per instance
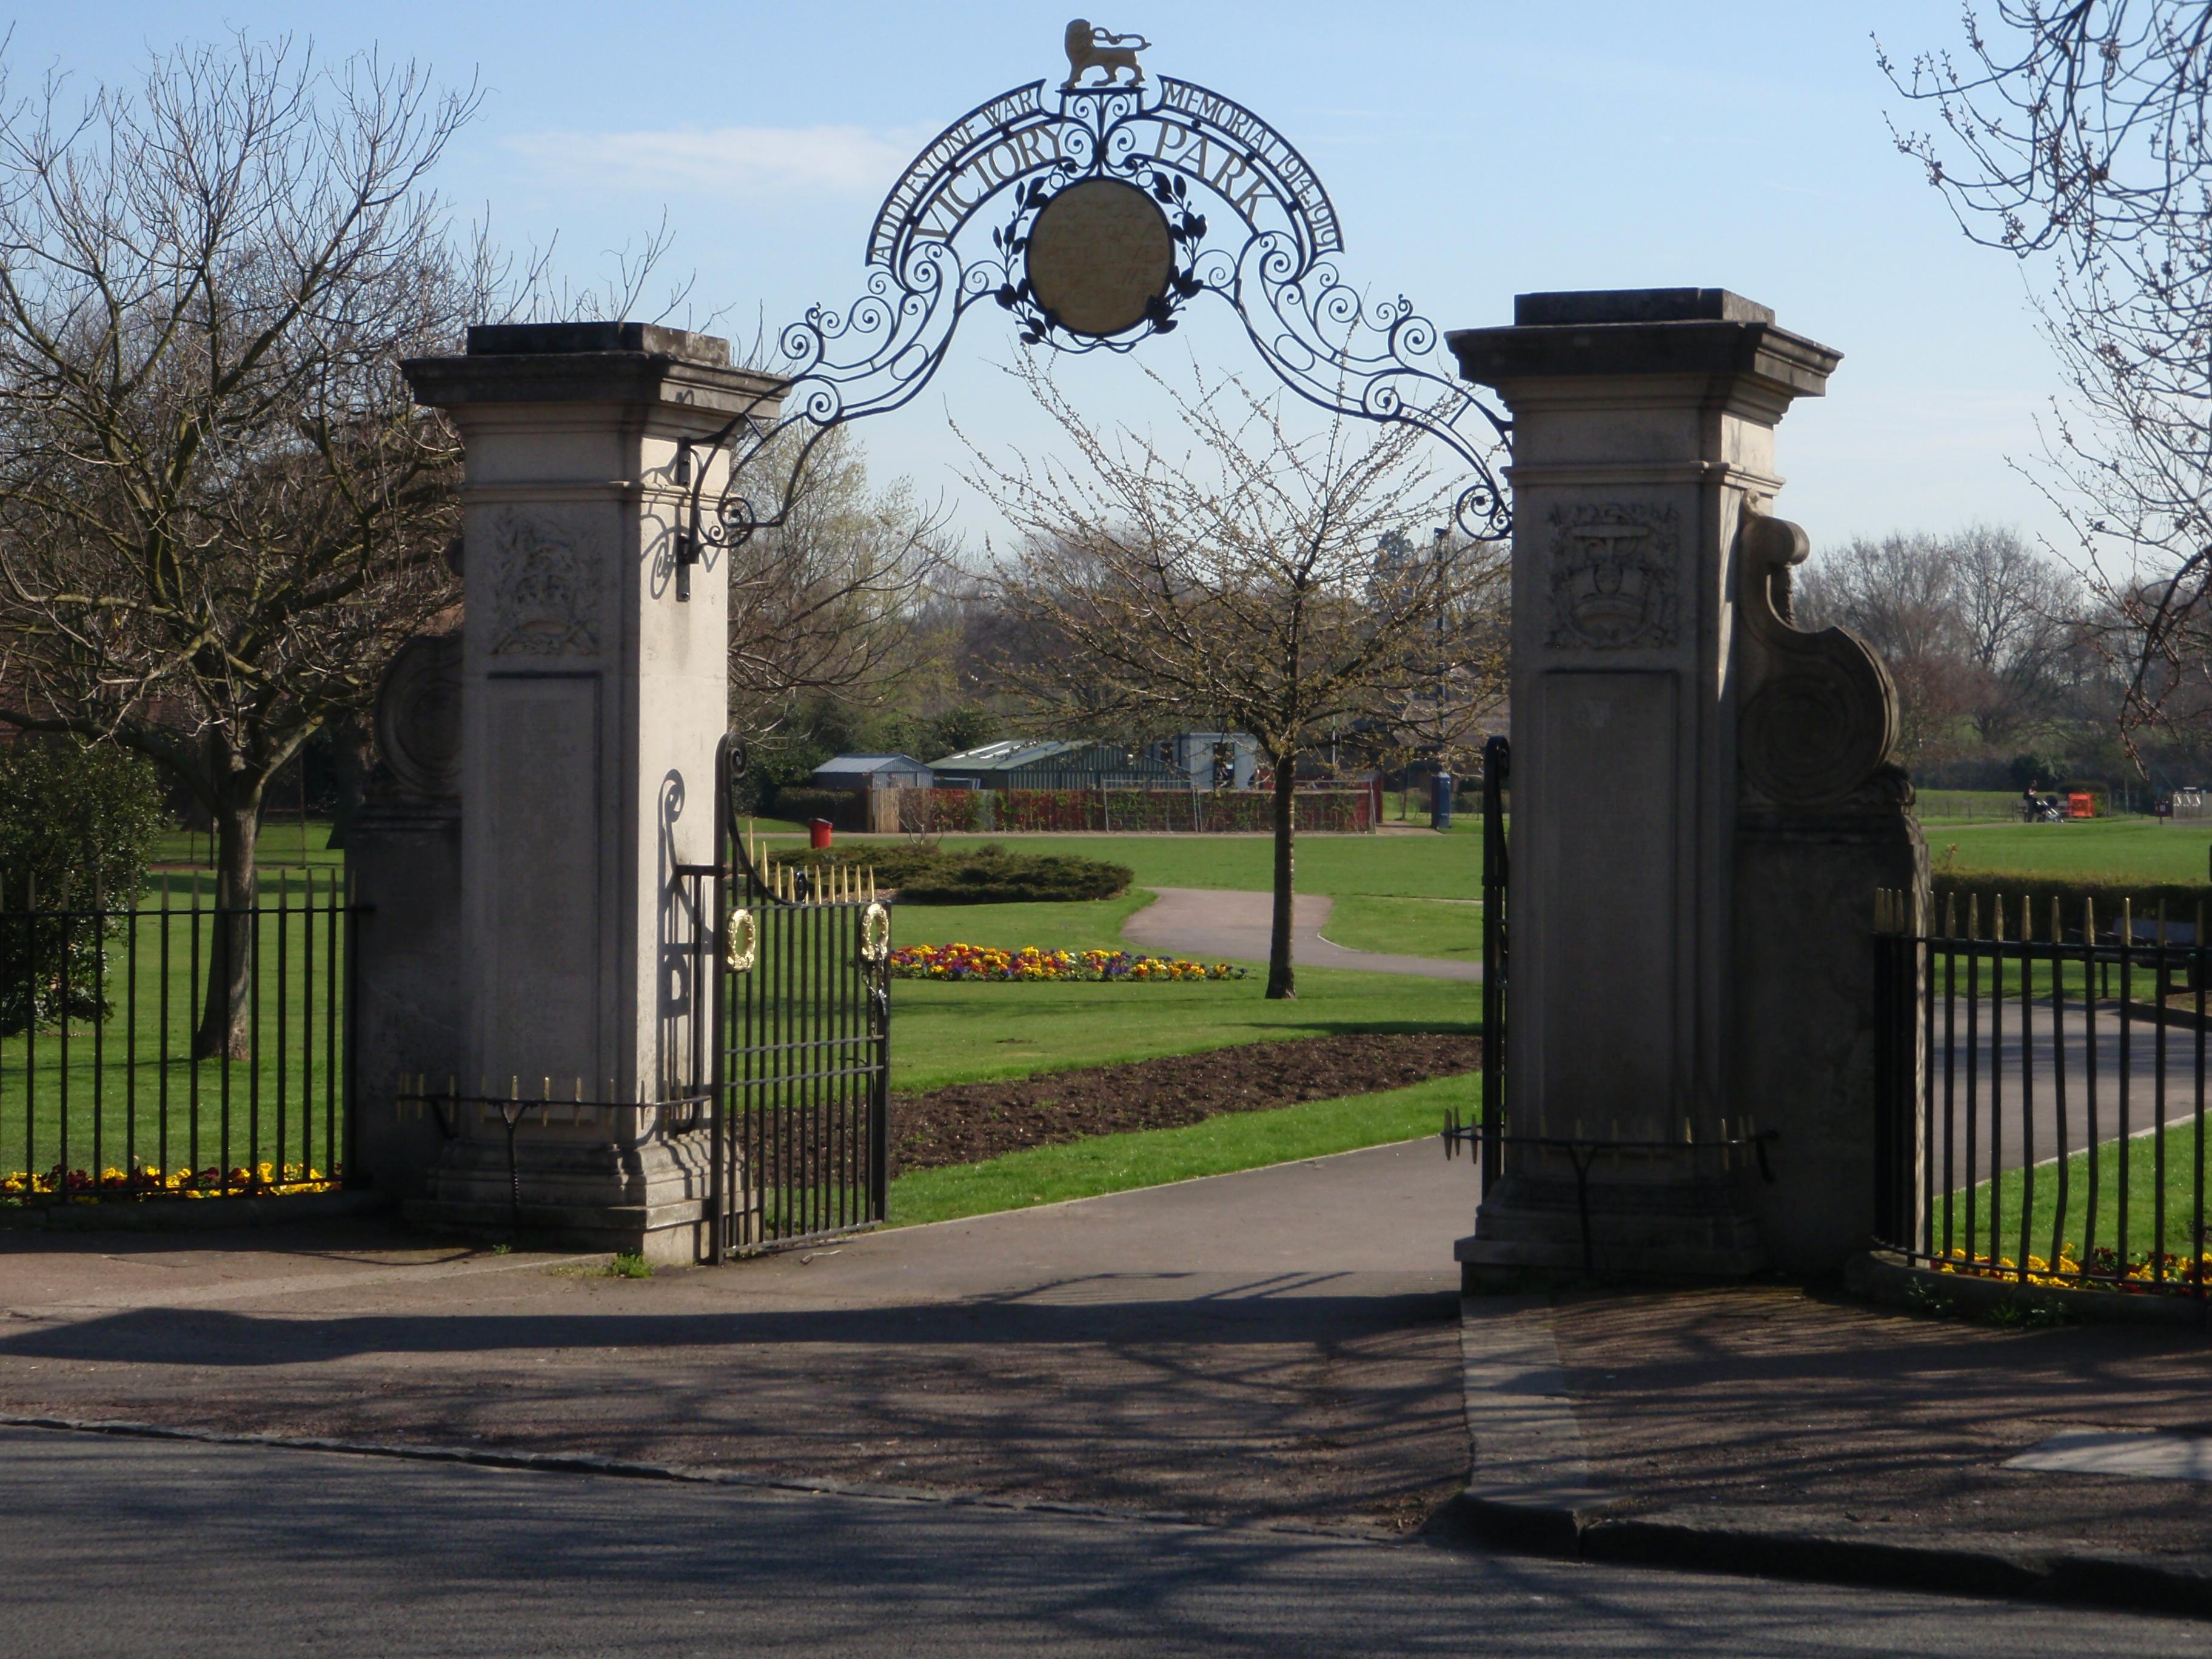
(742, 949)
(875, 933)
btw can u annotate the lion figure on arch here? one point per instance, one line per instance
(1088, 48)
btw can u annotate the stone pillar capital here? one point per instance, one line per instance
(688, 377)
(1697, 346)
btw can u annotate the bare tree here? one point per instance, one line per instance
(221, 510)
(2076, 136)
(2021, 615)
(1901, 595)
(1237, 582)
(834, 599)
(1979, 632)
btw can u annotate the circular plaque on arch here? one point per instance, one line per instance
(1099, 255)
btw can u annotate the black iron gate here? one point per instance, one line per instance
(801, 1024)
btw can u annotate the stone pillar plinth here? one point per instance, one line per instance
(1643, 435)
(593, 694)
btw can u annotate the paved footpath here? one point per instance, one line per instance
(1278, 1345)
(1213, 924)
(1805, 1433)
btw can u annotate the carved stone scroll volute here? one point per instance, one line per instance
(418, 721)
(1819, 721)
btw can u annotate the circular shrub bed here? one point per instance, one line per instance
(925, 873)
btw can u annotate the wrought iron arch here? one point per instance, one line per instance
(1246, 220)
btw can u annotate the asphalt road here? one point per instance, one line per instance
(123, 1547)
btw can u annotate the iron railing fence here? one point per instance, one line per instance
(104, 1092)
(2042, 1110)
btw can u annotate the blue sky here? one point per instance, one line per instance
(1474, 150)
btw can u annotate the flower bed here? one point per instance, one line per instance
(2150, 1274)
(263, 1180)
(977, 962)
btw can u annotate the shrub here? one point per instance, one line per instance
(75, 823)
(840, 806)
(896, 863)
(992, 876)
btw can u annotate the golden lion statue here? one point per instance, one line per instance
(1089, 49)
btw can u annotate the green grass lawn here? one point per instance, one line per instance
(1075, 925)
(283, 842)
(1237, 1140)
(2133, 1163)
(2147, 849)
(1448, 928)
(1466, 808)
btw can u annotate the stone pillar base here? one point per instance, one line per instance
(1676, 1230)
(576, 1189)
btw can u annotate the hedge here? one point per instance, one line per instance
(1987, 888)
(843, 807)
(1199, 811)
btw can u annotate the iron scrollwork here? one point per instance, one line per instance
(1242, 217)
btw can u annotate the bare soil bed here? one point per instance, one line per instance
(972, 1121)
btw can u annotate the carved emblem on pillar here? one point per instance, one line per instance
(1613, 571)
(545, 596)
(1821, 723)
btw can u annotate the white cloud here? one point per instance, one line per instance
(729, 161)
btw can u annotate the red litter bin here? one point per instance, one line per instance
(818, 832)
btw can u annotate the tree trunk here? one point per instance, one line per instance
(224, 1023)
(1282, 981)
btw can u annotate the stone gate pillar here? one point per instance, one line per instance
(1643, 448)
(593, 691)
